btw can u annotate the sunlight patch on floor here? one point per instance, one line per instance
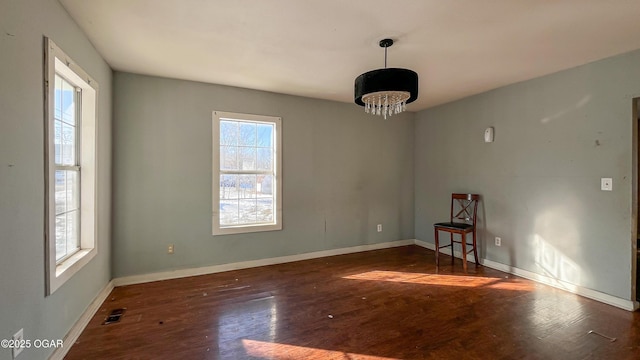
(268, 350)
(444, 280)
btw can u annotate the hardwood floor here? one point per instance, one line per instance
(384, 304)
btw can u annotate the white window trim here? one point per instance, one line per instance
(240, 229)
(57, 60)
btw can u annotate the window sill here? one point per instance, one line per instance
(71, 261)
(66, 269)
(242, 229)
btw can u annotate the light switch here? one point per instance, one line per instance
(606, 184)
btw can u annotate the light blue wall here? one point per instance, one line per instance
(555, 137)
(344, 171)
(22, 276)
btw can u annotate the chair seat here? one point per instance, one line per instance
(454, 225)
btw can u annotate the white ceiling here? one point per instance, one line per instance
(316, 48)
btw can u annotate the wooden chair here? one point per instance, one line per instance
(464, 208)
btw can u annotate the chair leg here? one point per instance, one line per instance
(464, 251)
(451, 238)
(437, 247)
(475, 248)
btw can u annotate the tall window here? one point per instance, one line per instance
(247, 173)
(66, 125)
(70, 166)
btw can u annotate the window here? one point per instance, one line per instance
(67, 168)
(247, 168)
(70, 143)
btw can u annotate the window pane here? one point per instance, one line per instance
(60, 192)
(72, 227)
(228, 212)
(228, 187)
(68, 103)
(57, 102)
(265, 186)
(228, 158)
(57, 141)
(265, 135)
(73, 190)
(67, 200)
(68, 144)
(247, 158)
(67, 191)
(247, 186)
(228, 133)
(247, 134)
(248, 211)
(265, 159)
(61, 236)
(265, 210)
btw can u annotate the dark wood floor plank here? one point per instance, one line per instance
(384, 304)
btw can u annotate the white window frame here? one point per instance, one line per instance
(277, 177)
(56, 61)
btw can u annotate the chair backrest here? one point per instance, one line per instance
(464, 208)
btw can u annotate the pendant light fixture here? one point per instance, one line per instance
(386, 91)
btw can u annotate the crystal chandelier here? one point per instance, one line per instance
(386, 91)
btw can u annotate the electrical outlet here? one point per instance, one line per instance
(379, 227)
(18, 341)
(498, 241)
(170, 249)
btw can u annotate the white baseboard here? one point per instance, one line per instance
(543, 279)
(166, 275)
(563, 285)
(82, 322)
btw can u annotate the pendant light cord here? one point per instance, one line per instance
(385, 57)
(385, 43)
